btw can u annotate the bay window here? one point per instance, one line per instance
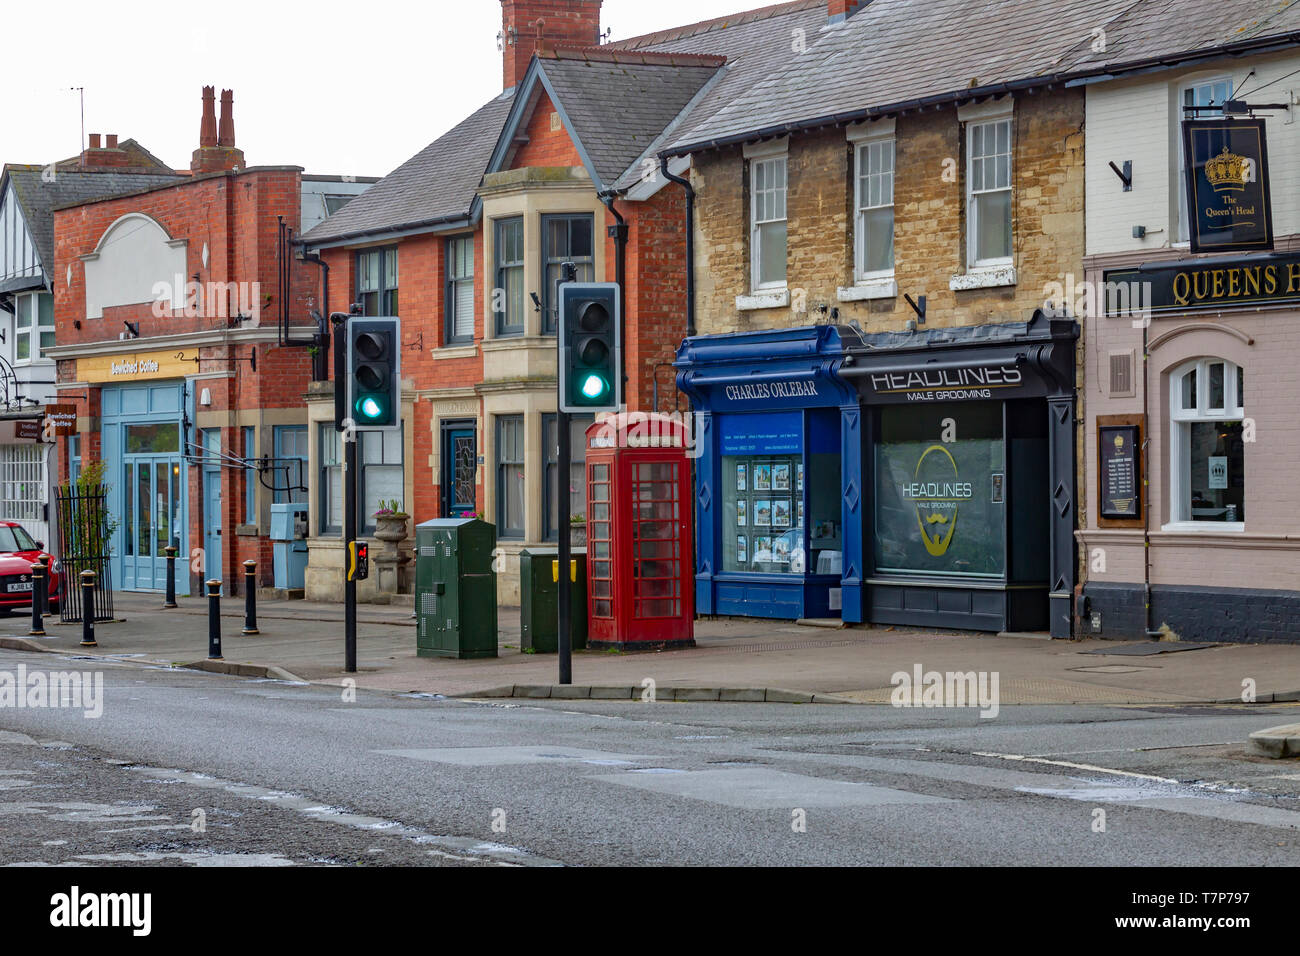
(33, 325)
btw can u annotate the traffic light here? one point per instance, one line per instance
(374, 393)
(590, 366)
(359, 560)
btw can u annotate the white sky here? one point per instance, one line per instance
(341, 88)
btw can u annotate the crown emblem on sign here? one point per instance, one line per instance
(1119, 442)
(1226, 171)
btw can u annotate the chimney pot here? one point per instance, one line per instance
(111, 141)
(94, 141)
(840, 10)
(208, 124)
(226, 136)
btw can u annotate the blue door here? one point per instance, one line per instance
(459, 468)
(152, 519)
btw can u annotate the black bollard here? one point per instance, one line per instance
(214, 621)
(38, 588)
(250, 598)
(88, 609)
(170, 599)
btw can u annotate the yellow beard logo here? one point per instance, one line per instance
(938, 511)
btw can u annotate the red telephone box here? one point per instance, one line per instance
(639, 533)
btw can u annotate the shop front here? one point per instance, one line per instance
(779, 468)
(915, 478)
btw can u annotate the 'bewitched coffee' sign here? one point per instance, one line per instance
(1227, 185)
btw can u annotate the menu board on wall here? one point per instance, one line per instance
(1118, 478)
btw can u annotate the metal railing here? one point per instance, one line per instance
(85, 530)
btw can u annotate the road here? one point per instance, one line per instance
(197, 769)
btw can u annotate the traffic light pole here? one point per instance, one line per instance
(564, 458)
(350, 530)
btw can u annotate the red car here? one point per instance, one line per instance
(18, 552)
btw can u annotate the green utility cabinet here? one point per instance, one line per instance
(539, 594)
(455, 588)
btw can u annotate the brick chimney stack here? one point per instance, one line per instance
(217, 150)
(839, 10)
(527, 25)
(108, 154)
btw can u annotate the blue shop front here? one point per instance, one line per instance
(779, 475)
(917, 478)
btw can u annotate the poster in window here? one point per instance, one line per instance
(781, 477)
(740, 476)
(798, 473)
(742, 549)
(1118, 451)
(780, 512)
(781, 550)
(799, 523)
(742, 507)
(762, 477)
(762, 549)
(762, 512)
(1218, 473)
(1229, 205)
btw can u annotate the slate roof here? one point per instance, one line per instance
(436, 184)
(893, 53)
(618, 104)
(70, 186)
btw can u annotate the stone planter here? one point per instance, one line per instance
(391, 530)
(578, 535)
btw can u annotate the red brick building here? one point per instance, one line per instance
(464, 242)
(184, 342)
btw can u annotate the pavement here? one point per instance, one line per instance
(735, 659)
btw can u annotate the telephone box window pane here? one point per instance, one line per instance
(602, 609)
(600, 473)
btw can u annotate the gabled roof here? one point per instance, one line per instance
(436, 185)
(614, 104)
(40, 192)
(894, 54)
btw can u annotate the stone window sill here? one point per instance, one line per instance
(868, 289)
(455, 351)
(246, 531)
(983, 278)
(774, 299)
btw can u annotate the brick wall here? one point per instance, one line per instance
(546, 146)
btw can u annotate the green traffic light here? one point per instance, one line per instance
(369, 408)
(594, 386)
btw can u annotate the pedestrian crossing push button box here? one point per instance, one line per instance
(455, 588)
(539, 594)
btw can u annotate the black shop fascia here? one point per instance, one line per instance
(969, 466)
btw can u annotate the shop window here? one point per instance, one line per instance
(940, 502)
(1207, 450)
(460, 290)
(577, 472)
(1207, 93)
(510, 475)
(988, 193)
(508, 292)
(875, 204)
(379, 477)
(565, 239)
(33, 325)
(377, 281)
(767, 184)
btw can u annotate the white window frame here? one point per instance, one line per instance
(1180, 422)
(862, 147)
(23, 483)
(756, 155)
(973, 262)
(33, 332)
(1184, 230)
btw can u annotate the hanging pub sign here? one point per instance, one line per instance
(1227, 185)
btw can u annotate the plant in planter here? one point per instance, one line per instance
(390, 528)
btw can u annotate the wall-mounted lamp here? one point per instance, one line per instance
(205, 397)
